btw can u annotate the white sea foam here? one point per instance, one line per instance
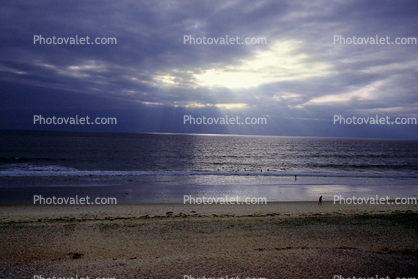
(26, 169)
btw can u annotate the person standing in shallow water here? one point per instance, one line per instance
(320, 200)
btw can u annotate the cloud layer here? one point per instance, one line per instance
(298, 77)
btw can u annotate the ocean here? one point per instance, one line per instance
(165, 167)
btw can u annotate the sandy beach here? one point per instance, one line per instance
(208, 139)
(277, 240)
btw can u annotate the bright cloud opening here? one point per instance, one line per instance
(281, 62)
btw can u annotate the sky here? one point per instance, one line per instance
(297, 78)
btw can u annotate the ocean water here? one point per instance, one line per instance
(213, 164)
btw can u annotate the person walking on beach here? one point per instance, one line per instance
(320, 200)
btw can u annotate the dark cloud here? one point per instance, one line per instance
(299, 79)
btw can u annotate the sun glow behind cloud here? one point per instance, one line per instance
(220, 106)
(232, 106)
(283, 61)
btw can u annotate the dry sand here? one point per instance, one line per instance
(277, 240)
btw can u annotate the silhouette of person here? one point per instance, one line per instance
(320, 200)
